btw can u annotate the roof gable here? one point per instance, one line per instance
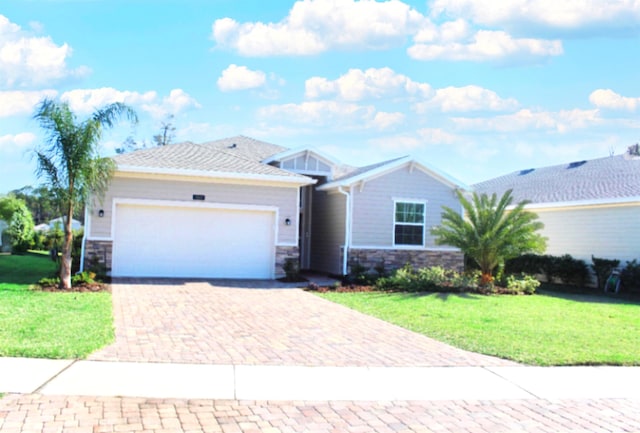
(364, 174)
(600, 179)
(304, 161)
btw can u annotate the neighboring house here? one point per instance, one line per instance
(239, 207)
(43, 228)
(75, 224)
(3, 227)
(588, 207)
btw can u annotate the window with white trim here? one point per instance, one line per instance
(408, 223)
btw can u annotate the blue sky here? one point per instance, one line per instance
(475, 88)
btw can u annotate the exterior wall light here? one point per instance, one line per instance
(100, 213)
(287, 222)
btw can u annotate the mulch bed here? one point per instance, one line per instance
(353, 288)
(82, 288)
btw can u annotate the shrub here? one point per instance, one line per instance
(466, 281)
(630, 275)
(380, 269)
(565, 268)
(400, 279)
(572, 271)
(359, 274)
(84, 277)
(433, 277)
(603, 268)
(49, 282)
(523, 284)
(291, 269)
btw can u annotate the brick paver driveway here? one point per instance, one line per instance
(231, 322)
(205, 323)
(37, 413)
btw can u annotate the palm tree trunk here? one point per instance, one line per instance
(65, 263)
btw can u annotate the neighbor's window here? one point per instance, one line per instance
(409, 223)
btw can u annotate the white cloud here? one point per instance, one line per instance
(526, 119)
(27, 60)
(467, 98)
(437, 136)
(484, 45)
(177, 101)
(320, 113)
(16, 142)
(240, 78)
(87, 100)
(607, 98)
(383, 120)
(357, 85)
(315, 26)
(18, 102)
(567, 14)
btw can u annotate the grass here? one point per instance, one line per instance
(48, 325)
(543, 329)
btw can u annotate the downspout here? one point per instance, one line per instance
(87, 227)
(347, 230)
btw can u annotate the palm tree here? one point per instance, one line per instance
(70, 161)
(489, 232)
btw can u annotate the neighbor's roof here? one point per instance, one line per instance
(235, 155)
(614, 177)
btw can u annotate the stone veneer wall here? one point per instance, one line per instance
(394, 259)
(98, 252)
(283, 253)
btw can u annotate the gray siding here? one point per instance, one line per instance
(609, 232)
(373, 206)
(327, 232)
(284, 198)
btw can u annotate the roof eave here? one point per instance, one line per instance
(582, 203)
(298, 180)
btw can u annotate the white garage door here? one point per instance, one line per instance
(156, 241)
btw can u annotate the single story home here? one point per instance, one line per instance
(239, 207)
(589, 207)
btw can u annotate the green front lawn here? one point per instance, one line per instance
(543, 329)
(48, 325)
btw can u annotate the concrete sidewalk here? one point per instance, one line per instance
(253, 382)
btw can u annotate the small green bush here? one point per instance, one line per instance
(433, 277)
(467, 281)
(522, 285)
(84, 277)
(49, 282)
(400, 279)
(359, 274)
(291, 269)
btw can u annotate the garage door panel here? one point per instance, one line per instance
(159, 241)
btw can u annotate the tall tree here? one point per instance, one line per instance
(166, 134)
(489, 232)
(70, 162)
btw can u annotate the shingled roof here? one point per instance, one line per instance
(610, 178)
(234, 155)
